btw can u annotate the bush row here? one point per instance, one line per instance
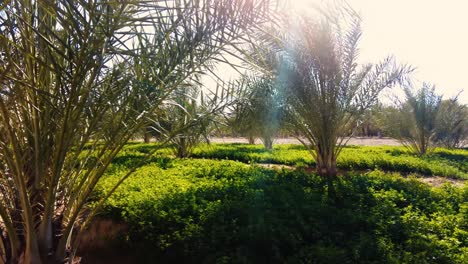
(442, 162)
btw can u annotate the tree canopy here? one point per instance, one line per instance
(327, 90)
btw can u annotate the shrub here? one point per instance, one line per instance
(441, 162)
(224, 211)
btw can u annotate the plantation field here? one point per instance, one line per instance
(442, 162)
(220, 206)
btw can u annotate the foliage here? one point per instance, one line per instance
(441, 162)
(206, 211)
(370, 123)
(391, 119)
(78, 79)
(327, 91)
(450, 128)
(452, 124)
(259, 111)
(193, 115)
(418, 134)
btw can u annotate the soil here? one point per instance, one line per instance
(438, 181)
(96, 245)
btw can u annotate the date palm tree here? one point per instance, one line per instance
(192, 111)
(77, 80)
(452, 124)
(315, 62)
(419, 134)
(259, 110)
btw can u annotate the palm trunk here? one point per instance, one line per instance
(326, 167)
(251, 139)
(326, 164)
(45, 236)
(268, 142)
(31, 253)
(146, 136)
(182, 148)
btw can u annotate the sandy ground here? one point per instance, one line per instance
(438, 181)
(353, 141)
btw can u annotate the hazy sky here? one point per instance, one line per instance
(431, 35)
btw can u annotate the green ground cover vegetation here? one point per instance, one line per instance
(441, 162)
(217, 208)
(452, 163)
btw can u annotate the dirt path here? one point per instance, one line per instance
(438, 181)
(353, 141)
